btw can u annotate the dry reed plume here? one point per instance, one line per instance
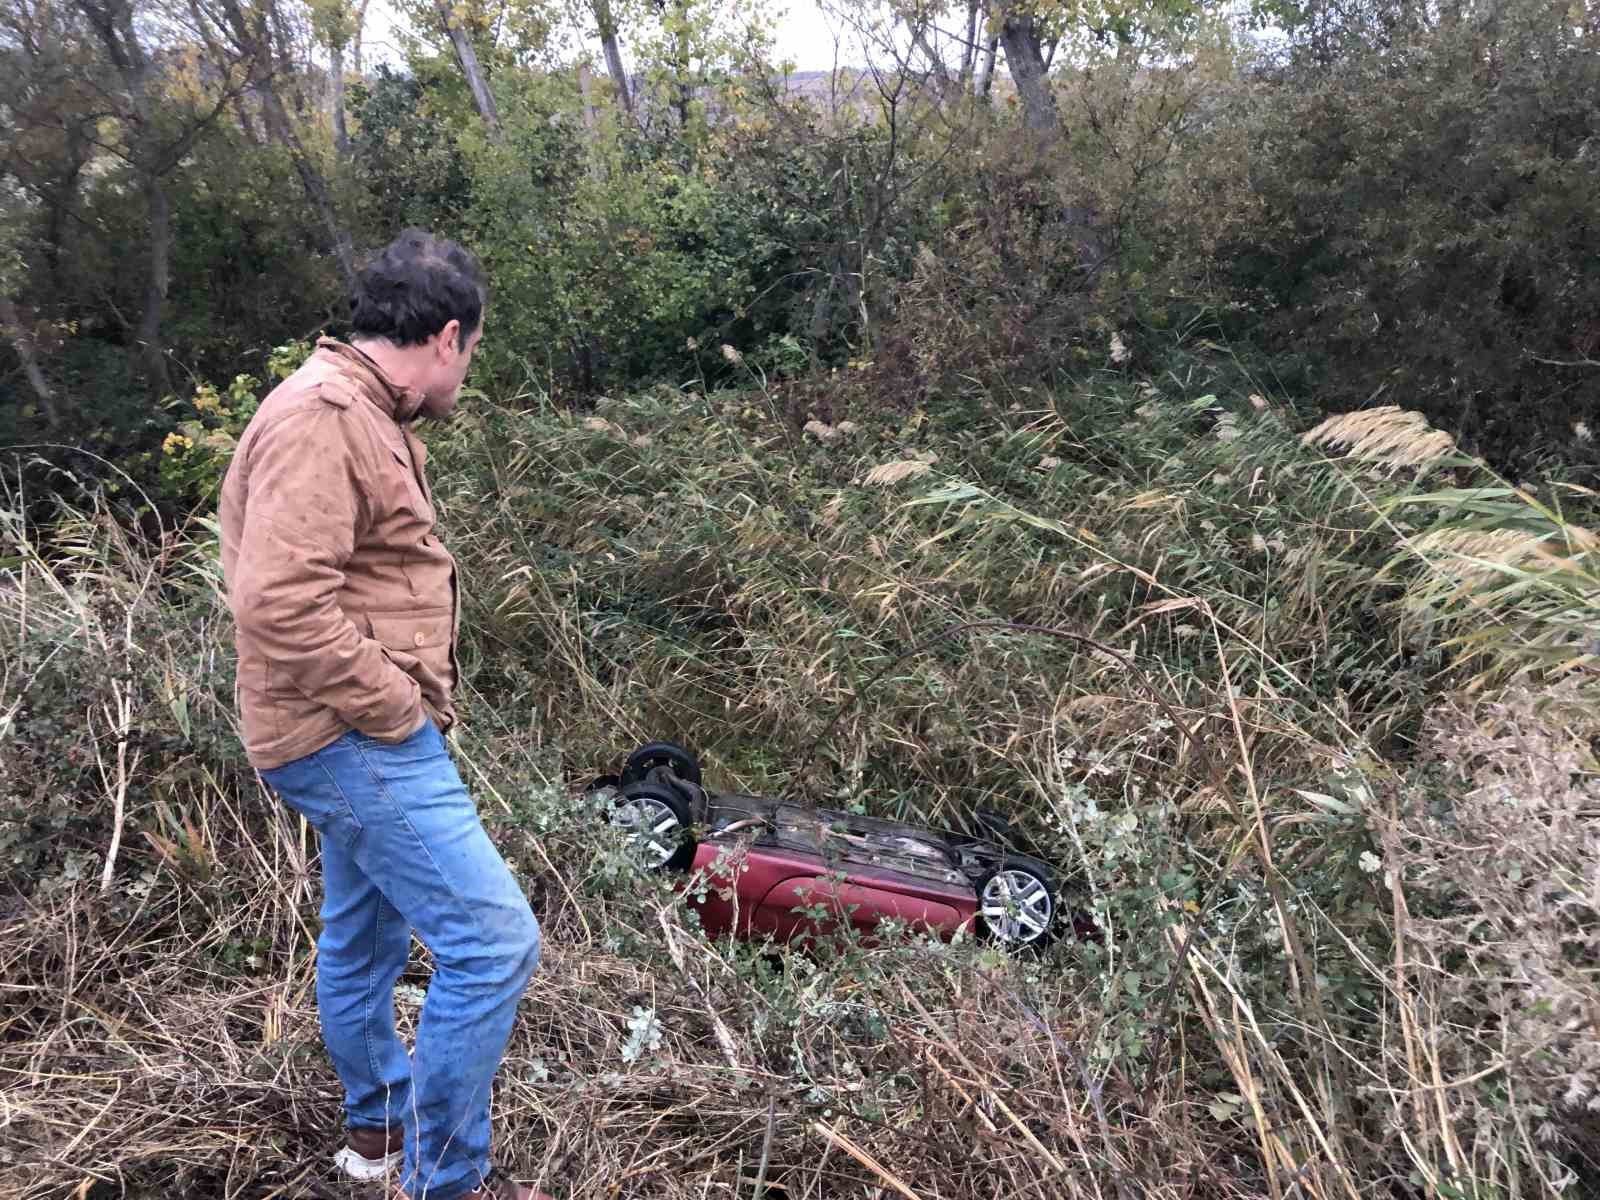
(1388, 435)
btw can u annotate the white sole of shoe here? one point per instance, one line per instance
(366, 1170)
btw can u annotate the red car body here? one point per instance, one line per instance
(785, 894)
(758, 867)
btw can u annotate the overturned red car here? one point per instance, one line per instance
(782, 869)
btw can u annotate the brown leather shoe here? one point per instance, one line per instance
(371, 1154)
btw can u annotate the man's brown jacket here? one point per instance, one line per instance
(344, 600)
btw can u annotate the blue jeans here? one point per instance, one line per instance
(403, 849)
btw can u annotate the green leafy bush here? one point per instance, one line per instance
(1420, 225)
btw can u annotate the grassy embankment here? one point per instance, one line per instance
(1347, 905)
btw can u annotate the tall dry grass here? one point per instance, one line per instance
(1236, 758)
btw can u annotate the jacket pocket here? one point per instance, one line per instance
(413, 640)
(417, 642)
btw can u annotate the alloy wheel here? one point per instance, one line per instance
(1017, 907)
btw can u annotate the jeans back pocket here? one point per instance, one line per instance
(311, 789)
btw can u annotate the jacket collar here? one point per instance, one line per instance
(401, 404)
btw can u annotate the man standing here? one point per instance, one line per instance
(347, 614)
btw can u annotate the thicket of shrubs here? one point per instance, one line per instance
(1392, 206)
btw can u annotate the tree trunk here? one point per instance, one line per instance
(607, 27)
(159, 216)
(22, 337)
(986, 71)
(941, 76)
(618, 72)
(467, 58)
(61, 201)
(591, 120)
(969, 51)
(113, 22)
(685, 86)
(280, 44)
(247, 124)
(1020, 37)
(341, 135)
(254, 38)
(316, 187)
(821, 317)
(355, 38)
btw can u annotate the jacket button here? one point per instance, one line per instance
(419, 639)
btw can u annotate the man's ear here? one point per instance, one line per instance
(450, 336)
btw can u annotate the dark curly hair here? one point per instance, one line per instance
(414, 287)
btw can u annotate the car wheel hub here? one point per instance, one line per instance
(1017, 907)
(651, 827)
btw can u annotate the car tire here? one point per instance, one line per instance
(658, 821)
(1019, 904)
(661, 754)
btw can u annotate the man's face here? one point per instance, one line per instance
(448, 367)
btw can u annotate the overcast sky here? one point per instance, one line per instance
(805, 36)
